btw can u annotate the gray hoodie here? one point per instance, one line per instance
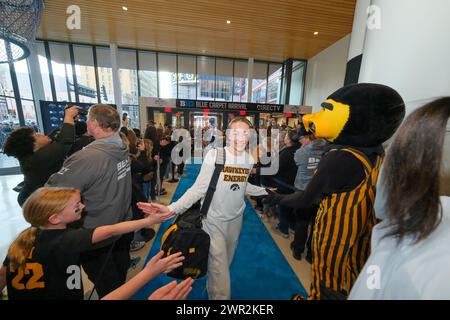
(101, 171)
(307, 159)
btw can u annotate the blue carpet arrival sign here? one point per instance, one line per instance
(228, 106)
(152, 102)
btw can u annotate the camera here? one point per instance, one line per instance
(81, 112)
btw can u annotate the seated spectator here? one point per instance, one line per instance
(38, 155)
(410, 256)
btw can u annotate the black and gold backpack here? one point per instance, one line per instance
(187, 236)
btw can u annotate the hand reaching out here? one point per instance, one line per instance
(152, 208)
(173, 291)
(158, 264)
(157, 213)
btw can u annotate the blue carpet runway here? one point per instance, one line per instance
(259, 270)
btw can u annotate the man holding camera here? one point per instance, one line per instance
(101, 171)
(40, 156)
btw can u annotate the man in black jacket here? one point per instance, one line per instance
(38, 155)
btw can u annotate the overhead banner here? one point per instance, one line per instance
(228, 106)
(152, 102)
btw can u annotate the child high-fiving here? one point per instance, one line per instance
(44, 261)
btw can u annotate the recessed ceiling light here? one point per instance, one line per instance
(316, 33)
(228, 21)
(125, 8)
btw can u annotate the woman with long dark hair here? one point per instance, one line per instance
(410, 256)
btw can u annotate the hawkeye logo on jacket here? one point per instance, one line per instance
(234, 187)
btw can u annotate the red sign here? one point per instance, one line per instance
(167, 109)
(242, 112)
(288, 115)
(231, 116)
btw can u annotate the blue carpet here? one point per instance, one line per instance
(259, 270)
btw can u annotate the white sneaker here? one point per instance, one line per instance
(136, 245)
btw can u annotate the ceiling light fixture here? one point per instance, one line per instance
(125, 8)
(316, 33)
(228, 21)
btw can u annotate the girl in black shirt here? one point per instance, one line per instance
(43, 263)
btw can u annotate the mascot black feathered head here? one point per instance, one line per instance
(360, 115)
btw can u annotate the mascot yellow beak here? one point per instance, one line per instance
(329, 122)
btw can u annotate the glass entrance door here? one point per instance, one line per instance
(206, 120)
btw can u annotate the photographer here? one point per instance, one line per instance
(40, 156)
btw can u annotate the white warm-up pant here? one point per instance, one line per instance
(224, 239)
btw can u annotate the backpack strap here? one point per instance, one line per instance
(220, 162)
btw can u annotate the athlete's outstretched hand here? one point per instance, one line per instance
(155, 208)
(173, 291)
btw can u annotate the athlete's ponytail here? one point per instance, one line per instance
(38, 208)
